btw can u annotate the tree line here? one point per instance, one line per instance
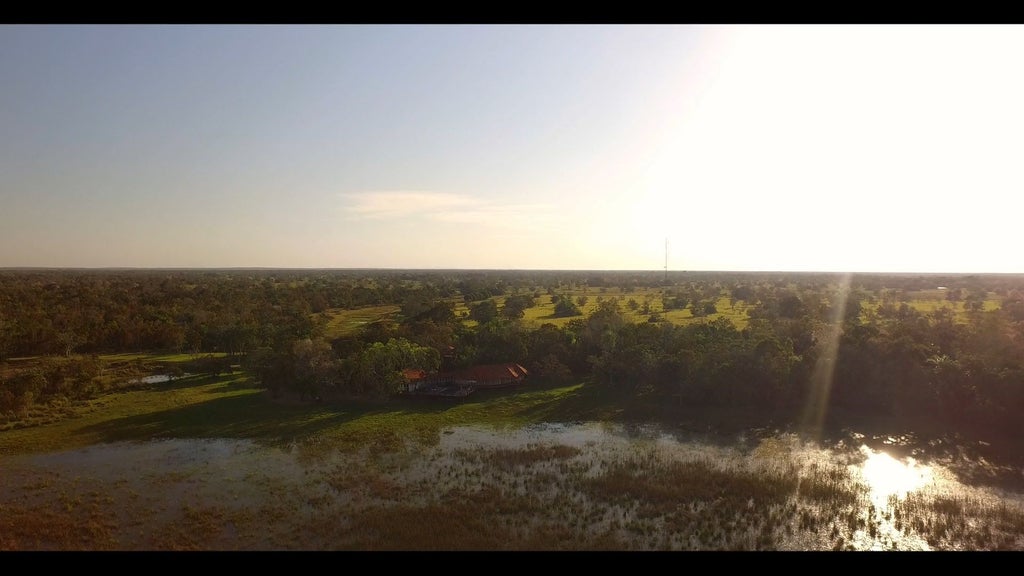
(958, 364)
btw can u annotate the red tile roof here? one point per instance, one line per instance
(412, 374)
(491, 372)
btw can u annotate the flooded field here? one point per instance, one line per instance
(577, 486)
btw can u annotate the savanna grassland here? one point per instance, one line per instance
(178, 410)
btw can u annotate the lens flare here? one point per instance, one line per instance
(824, 368)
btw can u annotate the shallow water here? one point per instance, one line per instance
(583, 485)
(158, 379)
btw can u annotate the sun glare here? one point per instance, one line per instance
(824, 368)
(886, 476)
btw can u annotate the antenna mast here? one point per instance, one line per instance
(666, 261)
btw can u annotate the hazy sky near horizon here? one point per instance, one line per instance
(762, 147)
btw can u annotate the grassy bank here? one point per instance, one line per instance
(228, 406)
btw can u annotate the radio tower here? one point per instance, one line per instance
(666, 261)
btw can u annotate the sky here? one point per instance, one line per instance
(757, 147)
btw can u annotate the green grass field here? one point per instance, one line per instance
(340, 322)
(229, 407)
(156, 358)
(544, 311)
(928, 301)
(343, 322)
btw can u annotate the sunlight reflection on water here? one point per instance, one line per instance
(849, 498)
(886, 476)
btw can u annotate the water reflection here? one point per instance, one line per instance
(886, 476)
(157, 379)
(582, 485)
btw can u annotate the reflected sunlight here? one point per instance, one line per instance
(887, 476)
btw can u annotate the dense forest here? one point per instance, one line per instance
(945, 349)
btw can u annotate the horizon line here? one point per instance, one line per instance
(394, 269)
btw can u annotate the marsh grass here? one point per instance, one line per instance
(65, 524)
(962, 521)
(509, 459)
(203, 527)
(675, 483)
(474, 522)
(829, 486)
(364, 482)
(389, 476)
(609, 493)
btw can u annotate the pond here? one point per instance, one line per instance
(158, 378)
(570, 486)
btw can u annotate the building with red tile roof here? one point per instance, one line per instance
(464, 381)
(491, 375)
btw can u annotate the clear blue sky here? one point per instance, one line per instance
(864, 148)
